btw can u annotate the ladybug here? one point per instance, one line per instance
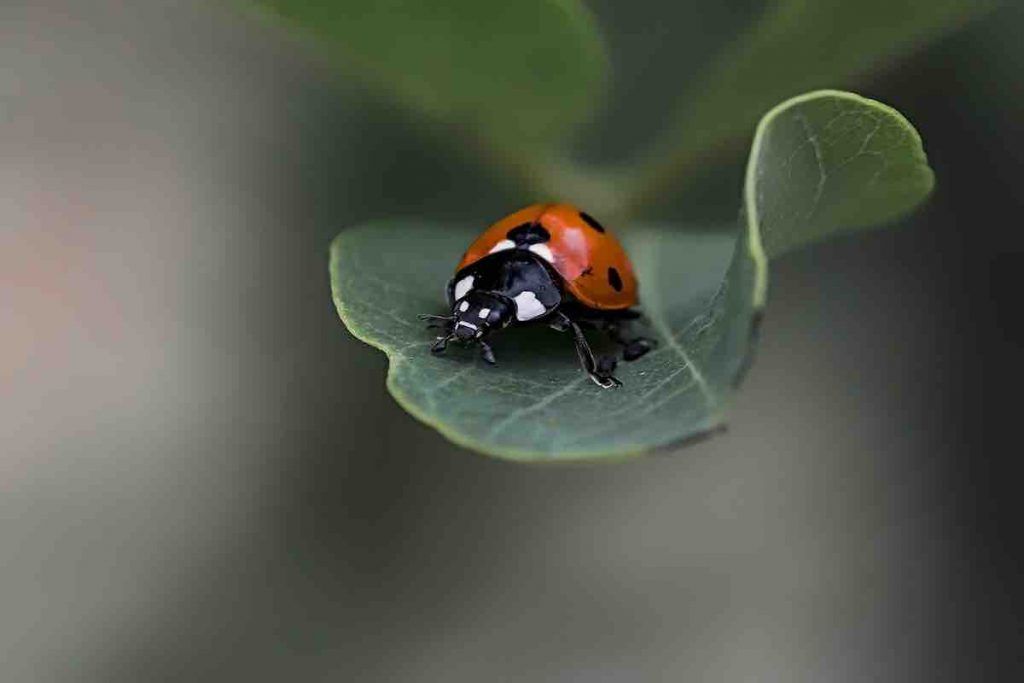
(545, 264)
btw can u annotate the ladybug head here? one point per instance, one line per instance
(479, 313)
(473, 317)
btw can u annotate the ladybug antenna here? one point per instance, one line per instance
(438, 321)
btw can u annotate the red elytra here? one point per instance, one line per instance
(591, 261)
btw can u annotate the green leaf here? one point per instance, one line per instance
(797, 45)
(518, 70)
(829, 162)
(817, 163)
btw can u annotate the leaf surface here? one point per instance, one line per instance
(821, 164)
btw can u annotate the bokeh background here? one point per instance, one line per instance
(203, 478)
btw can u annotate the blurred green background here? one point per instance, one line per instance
(203, 478)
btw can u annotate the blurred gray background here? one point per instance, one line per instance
(203, 478)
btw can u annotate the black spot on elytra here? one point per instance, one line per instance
(591, 221)
(528, 233)
(614, 280)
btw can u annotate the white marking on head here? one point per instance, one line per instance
(464, 306)
(469, 325)
(544, 251)
(528, 307)
(484, 312)
(502, 246)
(463, 286)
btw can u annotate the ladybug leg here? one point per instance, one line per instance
(606, 365)
(637, 348)
(487, 353)
(600, 373)
(441, 344)
(633, 347)
(559, 323)
(618, 326)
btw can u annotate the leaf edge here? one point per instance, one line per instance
(756, 248)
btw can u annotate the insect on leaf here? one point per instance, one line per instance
(821, 164)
